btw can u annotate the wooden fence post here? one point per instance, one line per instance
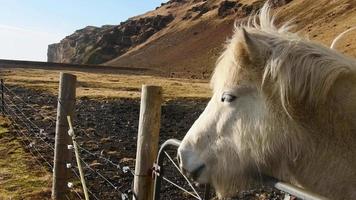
(147, 141)
(62, 156)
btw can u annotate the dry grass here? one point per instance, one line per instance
(95, 85)
(20, 178)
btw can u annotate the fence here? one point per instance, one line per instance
(40, 143)
(159, 173)
(67, 175)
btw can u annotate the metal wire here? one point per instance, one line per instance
(175, 165)
(116, 188)
(181, 188)
(77, 175)
(102, 176)
(28, 139)
(29, 128)
(31, 131)
(118, 166)
(33, 155)
(78, 195)
(23, 114)
(30, 106)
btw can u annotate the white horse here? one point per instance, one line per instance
(282, 106)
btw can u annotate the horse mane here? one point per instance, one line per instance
(301, 71)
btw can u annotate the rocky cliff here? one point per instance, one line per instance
(93, 45)
(185, 37)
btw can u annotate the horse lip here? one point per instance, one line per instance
(195, 174)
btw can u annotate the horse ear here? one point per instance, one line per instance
(249, 49)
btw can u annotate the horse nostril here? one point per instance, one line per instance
(197, 172)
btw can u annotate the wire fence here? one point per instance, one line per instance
(166, 166)
(38, 139)
(40, 145)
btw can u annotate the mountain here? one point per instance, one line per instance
(184, 37)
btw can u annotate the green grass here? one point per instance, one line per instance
(20, 176)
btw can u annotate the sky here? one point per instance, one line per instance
(28, 26)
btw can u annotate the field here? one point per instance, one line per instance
(105, 85)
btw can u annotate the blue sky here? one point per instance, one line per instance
(28, 26)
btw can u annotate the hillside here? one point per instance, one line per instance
(184, 37)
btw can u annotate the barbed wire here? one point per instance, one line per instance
(181, 188)
(27, 104)
(17, 115)
(32, 131)
(29, 149)
(77, 175)
(124, 169)
(116, 188)
(23, 114)
(29, 127)
(31, 145)
(190, 184)
(78, 195)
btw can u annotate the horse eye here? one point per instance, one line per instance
(227, 97)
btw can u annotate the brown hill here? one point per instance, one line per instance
(194, 31)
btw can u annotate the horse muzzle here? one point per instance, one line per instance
(191, 165)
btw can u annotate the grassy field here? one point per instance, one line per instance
(20, 176)
(94, 85)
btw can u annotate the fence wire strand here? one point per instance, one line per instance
(29, 128)
(180, 187)
(118, 166)
(102, 176)
(175, 165)
(24, 144)
(23, 114)
(28, 139)
(77, 175)
(28, 105)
